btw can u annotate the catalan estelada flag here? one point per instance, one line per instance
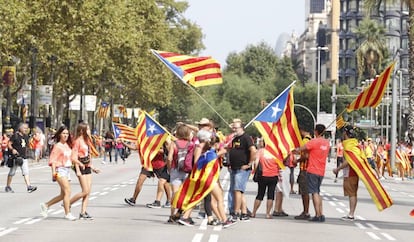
(150, 137)
(403, 158)
(372, 95)
(278, 125)
(340, 122)
(199, 182)
(92, 149)
(103, 110)
(357, 160)
(196, 71)
(125, 132)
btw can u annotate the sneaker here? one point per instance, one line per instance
(43, 210)
(317, 219)
(70, 217)
(167, 204)
(335, 180)
(280, 214)
(186, 221)
(31, 189)
(201, 215)
(8, 189)
(130, 201)
(228, 223)
(173, 219)
(213, 222)
(302, 216)
(244, 217)
(233, 217)
(155, 204)
(85, 216)
(347, 218)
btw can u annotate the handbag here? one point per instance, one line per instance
(14, 161)
(258, 173)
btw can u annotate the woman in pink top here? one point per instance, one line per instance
(269, 178)
(81, 158)
(60, 162)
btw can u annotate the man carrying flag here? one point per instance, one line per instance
(318, 149)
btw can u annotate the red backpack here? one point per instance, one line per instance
(185, 156)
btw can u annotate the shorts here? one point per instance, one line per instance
(314, 183)
(351, 186)
(292, 175)
(240, 178)
(177, 177)
(85, 171)
(63, 172)
(372, 163)
(303, 183)
(24, 168)
(38, 151)
(160, 173)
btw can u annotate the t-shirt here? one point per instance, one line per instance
(80, 149)
(158, 161)
(318, 153)
(339, 150)
(269, 165)
(61, 155)
(239, 154)
(20, 143)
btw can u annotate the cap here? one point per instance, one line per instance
(203, 121)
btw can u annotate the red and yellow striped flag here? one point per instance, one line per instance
(196, 71)
(403, 158)
(357, 160)
(199, 182)
(150, 137)
(340, 122)
(372, 95)
(278, 125)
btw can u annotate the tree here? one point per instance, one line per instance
(371, 51)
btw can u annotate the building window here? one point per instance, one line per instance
(352, 5)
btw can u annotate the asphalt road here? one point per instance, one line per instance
(114, 220)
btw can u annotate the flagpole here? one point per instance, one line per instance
(189, 86)
(334, 121)
(251, 121)
(155, 121)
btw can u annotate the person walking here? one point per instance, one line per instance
(119, 150)
(60, 163)
(17, 147)
(318, 149)
(339, 156)
(351, 179)
(81, 158)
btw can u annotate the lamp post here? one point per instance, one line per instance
(318, 98)
(33, 104)
(67, 119)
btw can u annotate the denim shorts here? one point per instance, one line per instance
(177, 177)
(240, 178)
(24, 168)
(314, 183)
(63, 172)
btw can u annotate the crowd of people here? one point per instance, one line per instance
(208, 151)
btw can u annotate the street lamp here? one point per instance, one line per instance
(33, 103)
(318, 98)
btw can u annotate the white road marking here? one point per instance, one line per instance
(114, 189)
(332, 204)
(58, 211)
(92, 198)
(7, 230)
(213, 238)
(359, 217)
(389, 237)
(342, 204)
(197, 237)
(373, 236)
(335, 199)
(328, 194)
(94, 193)
(218, 228)
(22, 221)
(359, 225)
(103, 193)
(33, 221)
(372, 226)
(106, 188)
(340, 210)
(203, 225)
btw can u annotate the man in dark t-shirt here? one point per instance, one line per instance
(18, 148)
(241, 156)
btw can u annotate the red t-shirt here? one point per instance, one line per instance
(269, 165)
(158, 161)
(318, 149)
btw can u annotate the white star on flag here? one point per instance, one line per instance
(152, 128)
(276, 109)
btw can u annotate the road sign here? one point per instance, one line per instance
(327, 119)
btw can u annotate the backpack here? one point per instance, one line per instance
(185, 156)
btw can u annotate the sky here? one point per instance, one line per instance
(231, 25)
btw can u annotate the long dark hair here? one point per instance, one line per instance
(58, 133)
(82, 130)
